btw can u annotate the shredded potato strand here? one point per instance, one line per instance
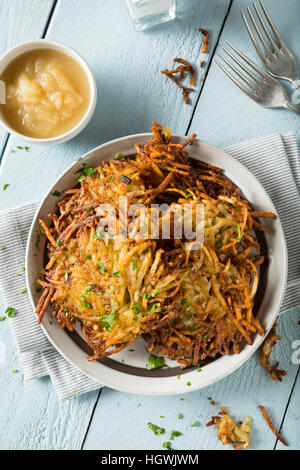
(189, 300)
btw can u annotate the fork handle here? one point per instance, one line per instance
(292, 107)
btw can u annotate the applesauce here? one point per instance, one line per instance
(47, 93)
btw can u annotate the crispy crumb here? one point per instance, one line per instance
(231, 433)
(266, 350)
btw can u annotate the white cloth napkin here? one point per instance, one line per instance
(274, 160)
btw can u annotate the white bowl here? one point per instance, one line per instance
(58, 46)
(131, 376)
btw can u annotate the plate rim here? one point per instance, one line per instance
(177, 387)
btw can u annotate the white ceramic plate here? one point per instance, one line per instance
(126, 370)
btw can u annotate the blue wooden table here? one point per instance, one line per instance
(132, 93)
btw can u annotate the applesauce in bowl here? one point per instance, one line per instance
(50, 92)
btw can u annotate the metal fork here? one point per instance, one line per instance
(278, 59)
(264, 89)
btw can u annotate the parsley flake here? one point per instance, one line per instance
(156, 429)
(107, 321)
(155, 362)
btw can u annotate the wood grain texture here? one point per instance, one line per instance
(31, 416)
(21, 20)
(131, 94)
(126, 416)
(127, 102)
(132, 91)
(226, 115)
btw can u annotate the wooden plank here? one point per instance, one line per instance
(20, 21)
(225, 115)
(240, 393)
(290, 427)
(31, 417)
(132, 92)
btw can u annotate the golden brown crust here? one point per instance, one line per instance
(188, 303)
(266, 350)
(231, 433)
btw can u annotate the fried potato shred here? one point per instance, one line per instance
(266, 350)
(182, 70)
(271, 426)
(188, 300)
(231, 433)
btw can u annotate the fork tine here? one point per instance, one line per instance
(274, 29)
(243, 67)
(240, 74)
(235, 80)
(267, 32)
(264, 43)
(255, 43)
(250, 62)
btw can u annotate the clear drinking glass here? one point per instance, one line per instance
(148, 13)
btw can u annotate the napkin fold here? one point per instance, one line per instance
(274, 160)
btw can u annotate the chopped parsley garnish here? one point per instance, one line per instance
(1, 247)
(188, 384)
(85, 172)
(153, 307)
(111, 178)
(89, 257)
(178, 376)
(240, 233)
(184, 301)
(136, 309)
(107, 321)
(90, 210)
(5, 187)
(117, 156)
(155, 362)
(167, 445)
(56, 193)
(218, 245)
(11, 312)
(101, 234)
(134, 263)
(180, 416)
(66, 275)
(23, 290)
(149, 296)
(101, 267)
(145, 251)
(2, 318)
(14, 371)
(37, 241)
(175, 434)
(58, 243)
(156, 429)
(195, 424)
(84, 303)
(188, 196)
(117, 273)
(88, 288)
